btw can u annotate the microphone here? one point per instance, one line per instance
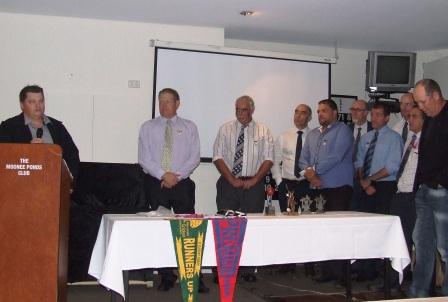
(39, 132)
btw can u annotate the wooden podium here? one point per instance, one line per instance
(35, 188)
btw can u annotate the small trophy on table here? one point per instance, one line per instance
(291, 209)
(306, 204)
(320, 202)
(268, 207)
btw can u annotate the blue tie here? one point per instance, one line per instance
(369, 155)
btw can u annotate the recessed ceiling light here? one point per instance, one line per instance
(246, 12)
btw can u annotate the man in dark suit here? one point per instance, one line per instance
(360, 126)
(33, 126)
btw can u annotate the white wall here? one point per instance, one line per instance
(348, 74)
(84, 66)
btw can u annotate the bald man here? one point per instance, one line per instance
(286, 161)
(431, 182)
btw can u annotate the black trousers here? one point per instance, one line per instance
(379, 202)
(338, 199)
(403, 206)
(180, 198)
(300, 188)
(357, 194)
(246, 200)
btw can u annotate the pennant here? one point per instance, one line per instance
(189, 239)
(229, 237)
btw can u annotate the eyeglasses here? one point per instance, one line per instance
(357, 110)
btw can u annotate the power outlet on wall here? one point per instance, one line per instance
(133, 84)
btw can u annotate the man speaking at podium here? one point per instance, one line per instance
(33, 126)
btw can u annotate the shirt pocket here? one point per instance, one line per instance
(258, 147)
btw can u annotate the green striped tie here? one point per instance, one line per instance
(167, 147)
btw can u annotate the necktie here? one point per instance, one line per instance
(239, 150)
(404, 132)
(167, 147)
(369, 155)
(298, 150)
(405, 158)
(358, 137)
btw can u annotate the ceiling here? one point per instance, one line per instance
(394, 25)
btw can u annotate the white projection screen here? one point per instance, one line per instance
(209, 83)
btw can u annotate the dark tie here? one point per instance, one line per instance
(358, 137)
(369, 155)
(298, 150)
(404, 132)
(405, 158)
(239, 150)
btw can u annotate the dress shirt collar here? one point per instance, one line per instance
(416, 134)
(239, 125)
(382, 129)
(363, 126)
(321, 128)
(304, 130)
(28, 121)
(173, 119)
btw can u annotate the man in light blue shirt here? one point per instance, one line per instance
(377, 163)
(326, 158)
(326, 161)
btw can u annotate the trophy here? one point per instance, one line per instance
(306, 204)
(291, 209)
(268, 207)
(320, 202)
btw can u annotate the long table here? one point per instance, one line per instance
(128, 242)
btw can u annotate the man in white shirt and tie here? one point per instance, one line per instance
(243, 153)
(360, 126)
(286, 157)
(403, 201)
(402, 126)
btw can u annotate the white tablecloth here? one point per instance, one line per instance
(127, 242)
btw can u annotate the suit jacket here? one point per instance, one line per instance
(14, 130)
(369, 126)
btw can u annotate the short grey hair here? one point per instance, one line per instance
(247, 98)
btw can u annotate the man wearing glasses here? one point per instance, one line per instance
(360, 126)
(243, 153)
(402, 126)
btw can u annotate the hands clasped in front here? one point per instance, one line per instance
(312, 177)
(169, 180)
(243, 184)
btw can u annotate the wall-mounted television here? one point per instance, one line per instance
(390, 71)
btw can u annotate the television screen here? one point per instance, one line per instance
(390, 71)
